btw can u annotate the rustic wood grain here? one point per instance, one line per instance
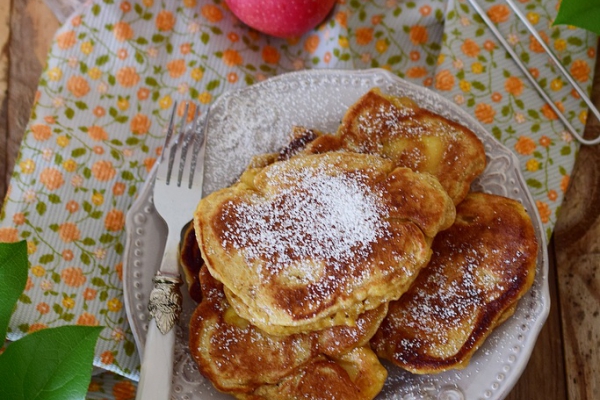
(565, 362)
(544, 377)
(32, 27)
(5, 7)
(577, 247)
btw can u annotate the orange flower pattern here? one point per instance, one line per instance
(514, 86)
(127, 77)
(104, 99)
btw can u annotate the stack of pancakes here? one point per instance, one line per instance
(348, 246)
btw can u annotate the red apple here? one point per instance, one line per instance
(281, 18)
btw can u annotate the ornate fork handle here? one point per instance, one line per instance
(165, 302)
(176, 193)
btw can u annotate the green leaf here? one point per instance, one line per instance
(534, 183)
(49, 364)
(439, 15)
(13, 275)
(58, 159)
(213, 84)
(497, 132)
(102, 60)
(41, 208)
(68, 317)
(582, 13)
(565, 151)
(519, 103)
(96, 214)
(85, 259)
(54, 198)
(88, 241)
(129, 348)
(127, 175)
(394, 59)
(151, 81)
(78, 152)
(115, 154)
(24, 299)
(157, 38)
(98, 282)
(205, 37)
(478, 85)
(46, 258)
(106, 238)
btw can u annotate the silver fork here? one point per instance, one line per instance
(175, 198)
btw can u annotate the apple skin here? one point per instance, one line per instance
(281, 18)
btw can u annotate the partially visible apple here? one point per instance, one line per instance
(281, 18)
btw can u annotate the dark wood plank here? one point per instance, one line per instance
(553, 371)
(5, 7)
(577, 245)
(544, 377)
(32, 27)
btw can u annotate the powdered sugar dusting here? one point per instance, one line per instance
(320, 215)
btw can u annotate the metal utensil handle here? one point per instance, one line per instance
(530, 77)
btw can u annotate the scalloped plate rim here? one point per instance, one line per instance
(144, 198)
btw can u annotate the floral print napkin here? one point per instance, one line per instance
(116, 68)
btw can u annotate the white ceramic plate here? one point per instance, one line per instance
(258, 119)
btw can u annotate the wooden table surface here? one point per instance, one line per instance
(565, 363)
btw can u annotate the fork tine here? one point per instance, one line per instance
(186, 143)
(175, 145)
(169, 133)
(199, 135)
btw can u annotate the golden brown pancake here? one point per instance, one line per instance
(480, 268)
(398, 129)
(240, 358)
(320, 238)
(357, 375)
